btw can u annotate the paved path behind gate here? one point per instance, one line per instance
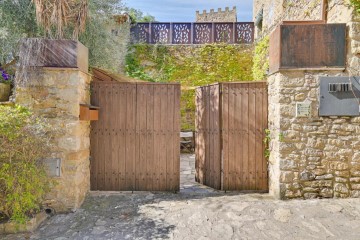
(201, 213)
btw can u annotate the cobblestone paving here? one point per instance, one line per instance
(198, 212)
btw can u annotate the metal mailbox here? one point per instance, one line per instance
(339, 96)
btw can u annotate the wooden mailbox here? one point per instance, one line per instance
(89, 113)
(307, 45)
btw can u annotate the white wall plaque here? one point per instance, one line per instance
(303, 109)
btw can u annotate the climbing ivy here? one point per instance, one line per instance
(191, 66)
(261, 59)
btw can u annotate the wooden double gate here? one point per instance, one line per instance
(231, 119)
(135, 142)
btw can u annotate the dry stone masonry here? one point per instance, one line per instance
(311, 157)
(220, 16)
(55, 94)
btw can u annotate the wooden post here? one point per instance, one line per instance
(324, 7)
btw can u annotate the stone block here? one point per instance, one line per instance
(287, 177)
(310, 195)
(355, 180)
(324, 177)
(307, 176)
(355, 186)
(288, 165)
(341, 188)
(326, 193)
(341, 180)
(344, 174)
(355, 194)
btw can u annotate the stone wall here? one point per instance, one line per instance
(275, 11)
(220, 16)
(316, 156)
(55, 94)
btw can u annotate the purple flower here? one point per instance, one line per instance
(4, 75)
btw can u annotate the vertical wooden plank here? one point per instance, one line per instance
(121, 114)
(265, 185)
(225, 135)
(141, 146)
(162, 140)
(258, 136)
(94, 152)
(252, 136)
(197, 131)
(207, 137)
(130, 138)
(200, 143)
(176, 134)
(115, 136)
(170, 161)
(232, 137)
(245, 139)
(238, 135)
(150, 168)
(216, 136)
(107, 139)
(157, 135)
(102, 119)
(211, 159)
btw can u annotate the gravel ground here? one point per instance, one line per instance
(198, 212)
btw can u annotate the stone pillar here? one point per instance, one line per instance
(314, 156)
(55, 94)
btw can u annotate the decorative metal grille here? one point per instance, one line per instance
(244, 33)
(193, 33)
(160, 33)
(203, 33)
(181, 33)
(224, 32)
(140, 33)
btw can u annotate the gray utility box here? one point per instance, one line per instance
(52, 167)
(339, 96)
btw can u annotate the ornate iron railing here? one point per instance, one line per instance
(193, 33)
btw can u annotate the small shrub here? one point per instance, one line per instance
(23, 182)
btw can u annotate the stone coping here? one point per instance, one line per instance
(62, 69)
(7, 103)
(29, 226)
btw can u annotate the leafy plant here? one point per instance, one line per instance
(58, 17)
(356, 5)
(5, 77)
(24, 140)
(267, 140)
(261, 59)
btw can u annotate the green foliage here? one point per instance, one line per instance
(106, 50)
(17, 20)
(149, 63)
(356, 5)
(192, 66)
(138, 16)
(267, 140)
(23, 181)
(261, 59)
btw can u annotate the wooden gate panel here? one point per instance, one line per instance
(234, 160)
(135, 143)
(208, 164)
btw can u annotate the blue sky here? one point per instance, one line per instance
(184, 10)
